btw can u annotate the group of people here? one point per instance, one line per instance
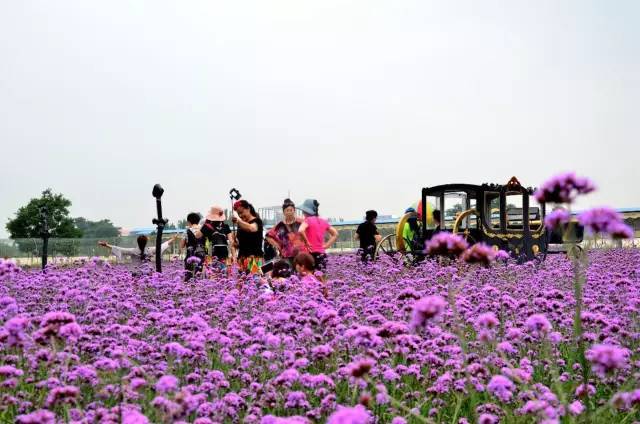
(212, 246)
(300, 243)
(369, 236)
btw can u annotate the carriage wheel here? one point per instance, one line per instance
(464, 232)
(386, 246)
(400, 243)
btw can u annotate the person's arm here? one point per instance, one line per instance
(204, 230)
(164, 246)
(333, 233)
(272, 241)
(234, 240)
(104, 244)
(303, 235)
(250, 227)
(118, 251)
(232, 246)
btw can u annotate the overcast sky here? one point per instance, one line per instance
(356, 103)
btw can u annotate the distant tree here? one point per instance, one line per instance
(170, 226)
(27, 223)
(182, 223)
(454, 210)
(96, 229)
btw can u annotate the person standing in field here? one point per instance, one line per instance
(285, 236)
(220, 239)
(313, 230)
(368, 235)
(196, 251)
(248, 238)
(410, 230)
(141, 255)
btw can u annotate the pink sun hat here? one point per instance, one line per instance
(216, 213)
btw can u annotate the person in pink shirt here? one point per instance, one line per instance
(313, 231)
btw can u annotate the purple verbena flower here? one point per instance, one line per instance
(557, 219)
(425, 310)
(501, 387)
(605, 221)
(479, 253)
(446, 244)
(538, 324)
(345, 415)
(607, 358)
(41, 416)
(167, 383)
(563, 188)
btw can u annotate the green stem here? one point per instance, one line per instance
(396, 403)
(457, 411)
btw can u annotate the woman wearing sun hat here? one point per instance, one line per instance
(219, 238)
(313, 231)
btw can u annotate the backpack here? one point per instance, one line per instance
(219, 243)
(195, 246)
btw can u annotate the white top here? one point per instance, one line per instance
(134, 252)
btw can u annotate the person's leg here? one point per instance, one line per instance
(362, 254)
(370, 252)
(199, 266)
(188, 273)
(320, 260)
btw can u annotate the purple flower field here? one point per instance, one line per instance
(435, 343)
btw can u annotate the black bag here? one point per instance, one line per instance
(219, 243)
(269, 251)
(195, 246)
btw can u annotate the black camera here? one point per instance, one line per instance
(158, 191)
(235, 194)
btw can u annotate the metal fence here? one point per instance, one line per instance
(28, 251)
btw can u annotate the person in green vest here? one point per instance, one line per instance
(410, 230)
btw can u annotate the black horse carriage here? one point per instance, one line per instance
(504, 216)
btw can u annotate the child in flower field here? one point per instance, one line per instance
(281, 270)
(277, 278)
(304, 264)
(196, 252)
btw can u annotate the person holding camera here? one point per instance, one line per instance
(248, 238)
